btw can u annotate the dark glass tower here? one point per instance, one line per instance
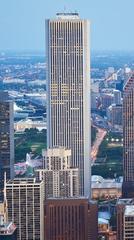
(6, 140)
(128, 131)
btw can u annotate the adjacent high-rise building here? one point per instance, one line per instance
(68, 113)
(6, 139)
(68, 219)
(25, 198)
(60, 180)
(125, 219)
(8, 230)
(128, 130)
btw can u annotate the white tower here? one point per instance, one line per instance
(68, 87)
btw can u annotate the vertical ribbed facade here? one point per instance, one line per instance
(6, 139)
(68, 90)
(60, 179)
(128, 130)
(25, 199)
(68, 219)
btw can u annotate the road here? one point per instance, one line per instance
(101, 133)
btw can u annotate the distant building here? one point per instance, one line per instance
(128, 144)
(25, 198)
(71, 219)
(105, 188)
(106, 100)
(6, 139)
(8, 231)
(94, 95)
(117, 96)
(125, 219)
(60, 180)
(27, 123)
(68, 116)
(115, 115)
(109, 72)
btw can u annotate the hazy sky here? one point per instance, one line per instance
(22, 22)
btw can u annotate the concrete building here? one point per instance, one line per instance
(128, 132)
(117, 97)
(6, 140)
(27, 123)
(125, 219)
(129, 222)
(106, 100)
(60, 180)
(71, 219)
(25, 198)
(95, 87)
(115, 115)
(68, 106)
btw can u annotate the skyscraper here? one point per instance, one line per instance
(68, 115)
(128, 131)
(25, 198)
(125, 219)
(60, 180)
(71, 218)
(6, 139)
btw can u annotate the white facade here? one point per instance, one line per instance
(68, 106)
(60, 180)
(129, 222)
(25, 199)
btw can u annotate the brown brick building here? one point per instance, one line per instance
(71, 219)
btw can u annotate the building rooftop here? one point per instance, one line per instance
(23, 181)
(126, 201)
(7, 229)
(103, 221)
(67, 15)
(129, 210)
(99, 182)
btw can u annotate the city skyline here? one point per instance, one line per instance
(22, 23)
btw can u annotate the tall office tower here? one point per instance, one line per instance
(6, 139)
(125, 219)
(60, 180)
(25, 198)
(128, 130)
(71, 219)
(68, 115)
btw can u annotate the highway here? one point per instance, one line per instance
(101, 133)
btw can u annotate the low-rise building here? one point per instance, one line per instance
(105, 188)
